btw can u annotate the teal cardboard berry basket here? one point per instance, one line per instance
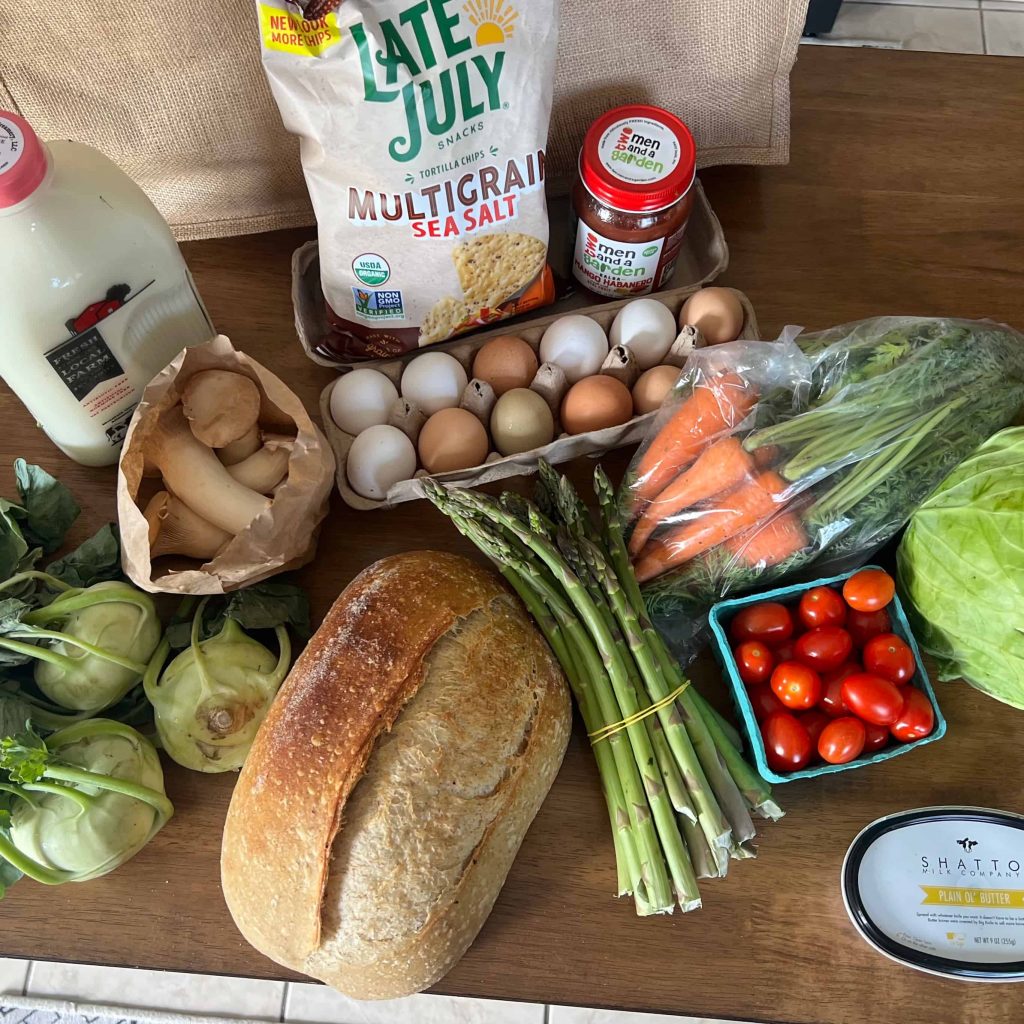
(720, 617)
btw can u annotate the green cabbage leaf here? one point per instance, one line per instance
(961, 570)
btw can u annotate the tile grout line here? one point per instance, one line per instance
(984, 37)
(284, 1001)
(547, 1013)
(28, 977)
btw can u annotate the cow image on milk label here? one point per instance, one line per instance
(942, 891)
(423, 126)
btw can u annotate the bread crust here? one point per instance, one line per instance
(368, 660)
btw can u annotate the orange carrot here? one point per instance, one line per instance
(770, 543)
(720, 467)
(742, 507)
(716, 404)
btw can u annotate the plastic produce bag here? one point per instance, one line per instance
(800, 458)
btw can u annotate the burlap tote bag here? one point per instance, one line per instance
(176, 95)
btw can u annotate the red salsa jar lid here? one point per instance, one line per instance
(638, 158)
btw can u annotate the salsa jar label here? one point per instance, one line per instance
(608, 267)
(639, 150)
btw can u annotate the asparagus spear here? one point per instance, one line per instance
(627, 861)
(698, 759)
(674, 783)
(621, 702)
(703, 770)
(756, 791)
(651, 888)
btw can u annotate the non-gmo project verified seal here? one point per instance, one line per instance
(385, 304)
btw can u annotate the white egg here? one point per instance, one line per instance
(647, 327)
(575, 343)
(434, 381)
(379, 457)
(362, 399)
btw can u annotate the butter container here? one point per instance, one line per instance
(941, 890)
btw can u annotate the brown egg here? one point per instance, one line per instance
(595, 403)
(652, 387)
(506, 362)
(716, 312)
(452, 439)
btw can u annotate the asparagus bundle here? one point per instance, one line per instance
(679, 794)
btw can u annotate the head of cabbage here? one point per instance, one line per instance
(78, 804)
(961, 570)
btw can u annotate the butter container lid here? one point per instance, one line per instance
(941, 889)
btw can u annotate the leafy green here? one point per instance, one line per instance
(961, 570)
(94, 561)
(13, 546)
(50, 508)
(261, 606)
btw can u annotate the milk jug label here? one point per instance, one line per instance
(88, 367)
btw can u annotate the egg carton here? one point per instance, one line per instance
(702, 256)
(498, 467)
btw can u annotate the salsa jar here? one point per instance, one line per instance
(631, 201)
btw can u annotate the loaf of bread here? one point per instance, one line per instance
(391, 785)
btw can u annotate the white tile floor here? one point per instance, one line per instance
(240, 998)
(954, 26)
(958, 26)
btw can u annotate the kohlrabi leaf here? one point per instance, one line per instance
(13, 546)
(261, 606)
(94, 561)
(15, 714)
(12, 610)
(267, 605)
(24, 756)
(50, 508)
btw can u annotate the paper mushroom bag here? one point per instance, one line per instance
(282, 537)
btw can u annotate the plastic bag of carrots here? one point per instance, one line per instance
(799, 458)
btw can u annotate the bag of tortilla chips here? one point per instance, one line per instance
(423, 125)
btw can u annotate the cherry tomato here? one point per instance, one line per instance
(862, 626)
(754, 662)
(787, 744)
(814, 721)
(786, 651)
(890, 657)
(796, 685)
(842, 740)
(821, 606)
(876, 737)
(764, 702)
(824, 648)
(832, 691)
(768, 622)
(872, 698)
(916, 718)
(869, 590)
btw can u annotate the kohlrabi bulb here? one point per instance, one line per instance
(89, 829)
(210, 701)
(116, 629)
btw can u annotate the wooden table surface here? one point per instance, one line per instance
(903, 196)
